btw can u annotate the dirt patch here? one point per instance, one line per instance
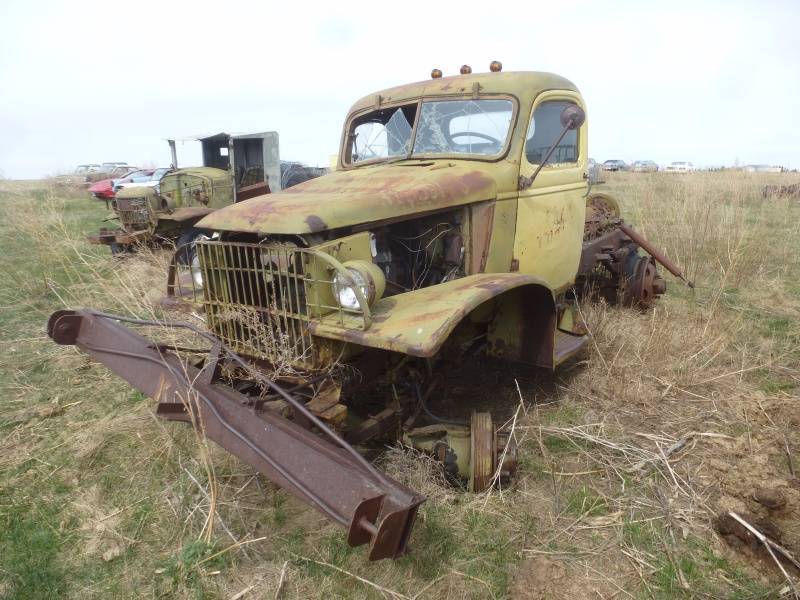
(542, 578)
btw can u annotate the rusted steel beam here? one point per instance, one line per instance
(599, 248)
(655, 253)
(337, 481)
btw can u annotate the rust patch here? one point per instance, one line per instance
(366, 195)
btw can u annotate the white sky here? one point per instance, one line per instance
(84, 81)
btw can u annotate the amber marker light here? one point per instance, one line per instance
(436, 74)
(466, 69)
(495, 66)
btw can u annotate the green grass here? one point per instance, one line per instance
(560, 415)
(30, 543)
(585, 502)
(688, 562)
(184, 569)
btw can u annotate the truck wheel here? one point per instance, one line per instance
(187, 254)
(116, 249)
(185, 245)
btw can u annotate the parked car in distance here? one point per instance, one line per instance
(110, 166)
(108, 169)
(614, 165)
(763, 169)
(79, 175)
(151, 181)
(123, 170)
(85, 169)
(132, 177)
(103, 189)
(644, 166)
(679, 167)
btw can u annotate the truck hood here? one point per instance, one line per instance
(357, 196)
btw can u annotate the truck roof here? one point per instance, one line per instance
(235, 136)
(525, 85)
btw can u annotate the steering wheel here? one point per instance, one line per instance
(477, 134)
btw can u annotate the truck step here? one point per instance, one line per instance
(567, 345)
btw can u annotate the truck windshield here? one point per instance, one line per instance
(445, 127)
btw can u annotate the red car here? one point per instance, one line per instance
(104, 189)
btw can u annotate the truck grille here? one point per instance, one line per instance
(259, 300)
(133, 213)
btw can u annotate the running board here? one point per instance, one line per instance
(567, 345)
(333, 479)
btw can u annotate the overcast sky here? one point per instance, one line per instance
(82, 81)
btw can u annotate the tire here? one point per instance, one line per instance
(185, 245)
(186, 255)
(117, 249)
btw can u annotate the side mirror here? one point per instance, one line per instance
(572, 116)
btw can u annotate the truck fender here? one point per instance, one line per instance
(419, 322)
(186, 213)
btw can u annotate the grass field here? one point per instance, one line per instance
(99, 499)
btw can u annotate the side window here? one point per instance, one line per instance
(544, 129)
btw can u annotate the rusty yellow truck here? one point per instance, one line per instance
(458, 222)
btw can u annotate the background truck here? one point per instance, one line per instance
(235, 167)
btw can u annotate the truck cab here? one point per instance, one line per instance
(432, 224)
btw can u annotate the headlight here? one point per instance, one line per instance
(365, 276)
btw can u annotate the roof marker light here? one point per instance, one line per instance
(466, 69)
(495, 66)
(436, 74)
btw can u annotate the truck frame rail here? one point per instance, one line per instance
(328, 474)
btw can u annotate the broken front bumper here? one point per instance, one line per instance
(328, 474)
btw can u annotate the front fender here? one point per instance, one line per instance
(419, 322)
(186, 213)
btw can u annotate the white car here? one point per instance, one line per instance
(679, 167)
(147, 178)
(139, 184)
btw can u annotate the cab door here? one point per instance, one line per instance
(551, 211)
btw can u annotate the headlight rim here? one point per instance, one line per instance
(335, 265)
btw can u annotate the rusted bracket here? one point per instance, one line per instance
(337, 481)
(655, 253)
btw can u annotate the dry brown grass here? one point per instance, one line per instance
(701, 369)
(626, 455)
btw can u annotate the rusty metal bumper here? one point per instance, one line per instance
(329, 475)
